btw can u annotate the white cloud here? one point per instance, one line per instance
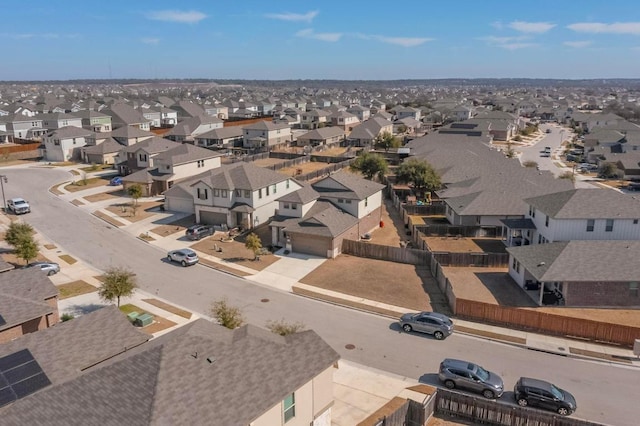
(309, 33)
(599, 27)
(497, 25)
(294, 17)
(502, 40)
(183, 17)
(516, 46)
(577, 44)
(404, 41)
(150, 40)
(531, 27)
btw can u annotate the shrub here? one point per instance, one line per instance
(284, 328)
(66, 317)
(227, 316)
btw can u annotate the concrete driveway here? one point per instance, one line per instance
(287, 271)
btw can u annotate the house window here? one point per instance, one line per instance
(546, 222)
(609, 225)
(340, 200)
(633, 288)
(238, 193)
(200, 163)
(514, 264)
(247, 194)
(202, 193)
(635, 221)
(275, 189)
(267, 190)
(590, 225)
(224, 193)
(366, 202)
(533, 212)
(287, 183)
(347, 201)
(216, 192)
(260, 193)
(294, 206)
(289, 404)
(286, 206)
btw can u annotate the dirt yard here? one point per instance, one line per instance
(387, 282)
(266, 162)
(464, 245)
(488, 285)
(335, 151)
(233, 252)
(93, 182)
(104, 196)
(125, 210)
(308, 167)
(393, 231)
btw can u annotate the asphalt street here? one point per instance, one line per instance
(605, 392)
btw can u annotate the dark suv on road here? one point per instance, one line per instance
(541, 394)
(197, 232)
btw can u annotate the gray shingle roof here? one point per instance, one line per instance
(345, 185)
(171, 381)
(186, 153)
(152, 145)
(24, 292)
(322, 133)
(222, 133)
(322, 219)
(588, 261)
(109, 146)
(240, 175)
(587, 204)
(303, 195)
(67, 132)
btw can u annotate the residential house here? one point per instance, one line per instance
(29, 303)
(363, 113)
(170, 166)
(365, 133)
(290, 382)
(461, 113)
(266, 134)
(322, 136)
(217, 110)
(139, 156)
(266, 106)
(407, 125)
(314, 119)
(579, 273)
(5, 137)
(224, 138)
(24, 126)
(186, 130)
(102, 153)
(503, 125)
(64, 144)
(126, 115)
(408, 112)
(187, 109)
(54, 121)
(236, 195)
(95, 121)
(152, 114)
(344, 120)
(130, 135)
(317, 218)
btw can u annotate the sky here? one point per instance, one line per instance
(346, 40)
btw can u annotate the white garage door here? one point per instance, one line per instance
(175, 204)
(213, 218)
(310, 245)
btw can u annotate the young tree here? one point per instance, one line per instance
(284, 328)
(608, 171)
(254, 244)
(227, 316)
(118, 282)
(27, 248)
(386, 141)
(17, 231)
(135, 192)
(420, 173)
(370, 165)
(530, 164)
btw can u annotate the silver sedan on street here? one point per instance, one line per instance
(434, 323)
(186, 257)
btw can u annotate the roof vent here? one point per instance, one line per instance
(541, 264)
(211, 360)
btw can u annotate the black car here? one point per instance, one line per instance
(541, 394)
(197, 232)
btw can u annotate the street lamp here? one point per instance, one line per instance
(3, 180)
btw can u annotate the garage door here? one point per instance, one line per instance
(175, 204)
(310, 245)
(213, 218)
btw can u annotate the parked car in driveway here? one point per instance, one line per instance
(541, 394)
(186, 257)
(455, 373)
(50, 268)
(434, 323)
(197, 232)
(115, 181)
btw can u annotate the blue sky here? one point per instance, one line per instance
(346, 39)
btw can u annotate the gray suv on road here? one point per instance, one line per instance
(455, 373)
(434, 323)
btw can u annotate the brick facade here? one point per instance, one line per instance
(600, 294)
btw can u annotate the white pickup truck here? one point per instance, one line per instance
(18, 206)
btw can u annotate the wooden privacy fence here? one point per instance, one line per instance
(483, 411)
(392, 254)
(445, 230)
(530, 319)
(484, 260)
(325, 171)
(436, 208)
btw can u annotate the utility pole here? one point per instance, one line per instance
(3, 180)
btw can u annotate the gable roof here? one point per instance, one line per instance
(190, 125)
(199, 373)
(131, 132)
(185, 153)
(323, 219)
(346, 185)
(303, 195)
(152, 145)
(109, 146)
(240, 175)
(580, 260)
(222, 133)
(587, 204)
(68, 132)
(266, 125)
(322, 133)
(24, 292)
